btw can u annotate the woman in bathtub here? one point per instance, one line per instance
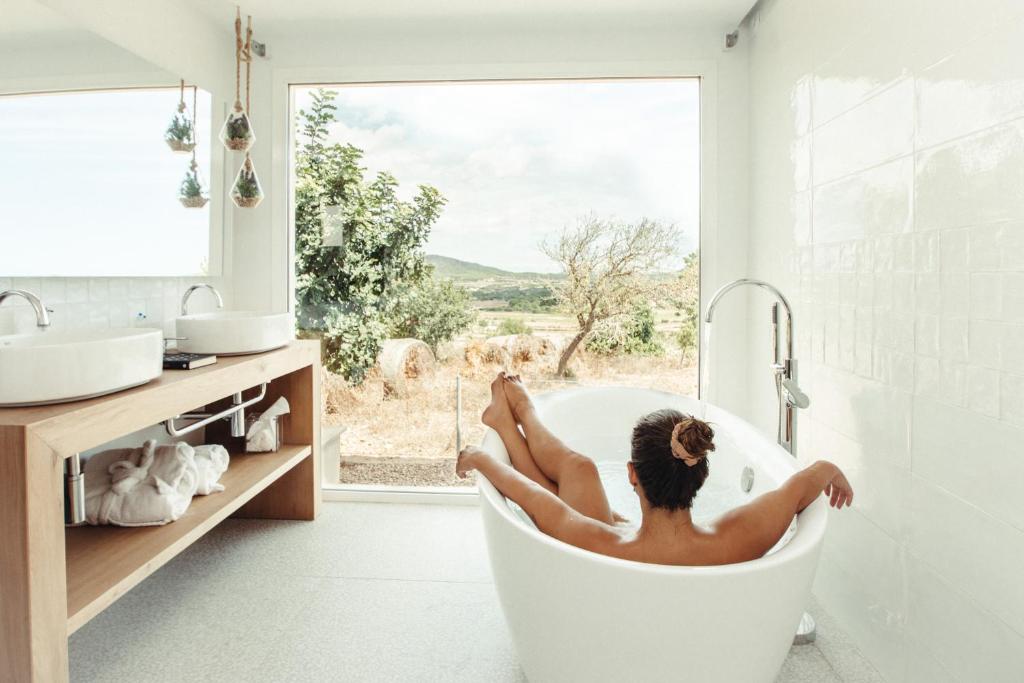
(561, 491)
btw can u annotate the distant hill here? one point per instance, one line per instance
(446, 266)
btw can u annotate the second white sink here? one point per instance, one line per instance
(229, 333)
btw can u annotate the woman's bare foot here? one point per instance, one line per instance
(467, 460)
(517, 395)
(498, 412)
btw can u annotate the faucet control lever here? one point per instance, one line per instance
(794, 395)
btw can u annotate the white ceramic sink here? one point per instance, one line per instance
(229, 333)
(54, 367)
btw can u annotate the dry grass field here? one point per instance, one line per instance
(399, 440)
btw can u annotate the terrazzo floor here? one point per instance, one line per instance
(369, 592)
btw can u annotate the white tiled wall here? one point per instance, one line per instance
(887, 142)
(103, 302)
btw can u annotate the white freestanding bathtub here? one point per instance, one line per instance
(575, 615)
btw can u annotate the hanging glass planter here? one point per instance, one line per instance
(193, 191)
(246, 193)
(180, 134)
(236, 133)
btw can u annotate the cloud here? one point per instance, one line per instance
(518, 161)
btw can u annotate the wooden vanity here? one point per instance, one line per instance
(52, 579)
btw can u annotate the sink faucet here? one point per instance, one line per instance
(42, 312)
(791, 397)
(190, 290)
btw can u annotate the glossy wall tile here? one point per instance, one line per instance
(901, 162)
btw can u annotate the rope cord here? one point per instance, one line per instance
(238, 58)
(248, 63)
(195, 119)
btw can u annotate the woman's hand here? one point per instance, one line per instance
(468, 460)
(838, 490)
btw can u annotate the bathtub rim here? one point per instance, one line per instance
(811, 522)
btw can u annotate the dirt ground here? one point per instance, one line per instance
(410, 440)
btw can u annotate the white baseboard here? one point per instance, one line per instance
(430, 495)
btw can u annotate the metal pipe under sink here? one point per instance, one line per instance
(74, 491)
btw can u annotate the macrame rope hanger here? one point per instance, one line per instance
(246, 56)
(195, 129)
(238, 58)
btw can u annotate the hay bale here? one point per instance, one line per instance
(479, 352)
(523, 348)
(402, 361)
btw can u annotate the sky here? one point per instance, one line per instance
(519, 161)
(91, 168)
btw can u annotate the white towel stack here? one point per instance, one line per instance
(152, 485)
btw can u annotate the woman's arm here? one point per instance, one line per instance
(548, 511)
(761, 523)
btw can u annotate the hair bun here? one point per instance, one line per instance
(696, 436)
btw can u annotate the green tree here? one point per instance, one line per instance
(433, 311)
(348, 292)
(607, 266)
(686, 298)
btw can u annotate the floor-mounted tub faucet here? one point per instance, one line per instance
(791, 397)
(42, 312)
(188, 293)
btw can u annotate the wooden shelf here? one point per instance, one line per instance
(53, 580)
(103, 563)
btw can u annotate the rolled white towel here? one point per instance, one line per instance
(211, 463)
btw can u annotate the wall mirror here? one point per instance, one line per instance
(88, 184)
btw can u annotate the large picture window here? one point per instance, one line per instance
(443, 230)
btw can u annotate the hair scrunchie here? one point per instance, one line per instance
(678, 450)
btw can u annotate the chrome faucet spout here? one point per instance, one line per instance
(188, 293)
(791, 397)
(41, 311)
(724, 289)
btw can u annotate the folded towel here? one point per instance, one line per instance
(152, 485)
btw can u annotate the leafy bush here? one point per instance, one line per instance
(433, 311)
(634, 335)
(350, 294)
(510, 326)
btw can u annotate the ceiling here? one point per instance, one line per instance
(25, 20)
(295, 17)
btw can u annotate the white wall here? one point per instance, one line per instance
(479, 50)
(887, 196)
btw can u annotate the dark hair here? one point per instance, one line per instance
(668, 482)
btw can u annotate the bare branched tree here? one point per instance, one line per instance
(607, 264)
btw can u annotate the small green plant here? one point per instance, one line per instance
(237, 134)
(190, 186)
(179, 134)
(191, 192)
(246, 186)
(510, 326)
(246, 192)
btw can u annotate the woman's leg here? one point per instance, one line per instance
(576, 476)
(498, 416)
